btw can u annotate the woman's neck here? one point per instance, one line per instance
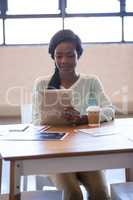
(67, 82)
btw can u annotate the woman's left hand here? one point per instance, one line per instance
(72, 115)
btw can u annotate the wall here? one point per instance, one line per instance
(20, 66)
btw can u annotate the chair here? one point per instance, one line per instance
(122, 191)
(37, 195)
(26, 113)
(42, 180)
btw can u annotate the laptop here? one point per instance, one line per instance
(54, 102)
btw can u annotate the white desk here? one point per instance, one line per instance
(77, 152)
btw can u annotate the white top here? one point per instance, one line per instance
(87, 91)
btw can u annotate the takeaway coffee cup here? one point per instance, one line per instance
(93, 113)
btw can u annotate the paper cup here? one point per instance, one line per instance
(93, 113)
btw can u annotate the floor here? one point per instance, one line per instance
(112, 176)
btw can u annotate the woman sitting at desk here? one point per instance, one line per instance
(65, 49)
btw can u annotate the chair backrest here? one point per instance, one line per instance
(26, 113)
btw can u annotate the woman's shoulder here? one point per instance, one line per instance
(42, 82)
(89, 77)
(42, 79)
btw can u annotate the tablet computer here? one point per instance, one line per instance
(52, 135)
(36, 136)
(54, 102)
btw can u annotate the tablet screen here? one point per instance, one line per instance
(53, 105)
(57, 99)
(52, 135)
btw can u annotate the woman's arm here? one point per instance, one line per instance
(37, 103)
(107, 109)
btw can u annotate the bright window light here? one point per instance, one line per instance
(32, 6)
(128, 28)
(96, 29)
(31, 31)
(93, 6)
(129, 5)
(1, 31)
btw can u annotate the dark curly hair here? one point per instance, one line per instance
(64, 35)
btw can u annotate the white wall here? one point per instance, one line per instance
(20, 66)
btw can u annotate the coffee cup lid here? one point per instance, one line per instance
(93, 108)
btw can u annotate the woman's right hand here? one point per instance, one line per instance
(71, 115)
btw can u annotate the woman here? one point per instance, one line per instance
(65, 49)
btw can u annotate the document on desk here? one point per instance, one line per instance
(36, 136)
(23, 132)
(21, 128)
(13, 128)
(130, 137)
(100, 131)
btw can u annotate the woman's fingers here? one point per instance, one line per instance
(71, 114)
(71, 110)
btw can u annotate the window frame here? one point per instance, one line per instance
(62, 4)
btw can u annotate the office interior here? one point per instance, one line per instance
(22, 65)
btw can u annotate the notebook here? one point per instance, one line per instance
(54, 102)
(13, 128)
(35, 136)
(100, 131)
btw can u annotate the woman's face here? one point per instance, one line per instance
(65, 57)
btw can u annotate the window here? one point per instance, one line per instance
(94, 29)
(128, 26)
(1, 31)
(35, 21)
(93, 6)
(129, 5)
(31, 31)
(32, 6)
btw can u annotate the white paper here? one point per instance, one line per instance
(130, 137)
(13, 128)
(100, 131)
(21, 128)
(35, 136)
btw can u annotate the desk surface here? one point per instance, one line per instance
(75, 144)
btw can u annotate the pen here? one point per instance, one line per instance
(18, 130)
(45, 128)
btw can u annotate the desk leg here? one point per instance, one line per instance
(15, 169)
